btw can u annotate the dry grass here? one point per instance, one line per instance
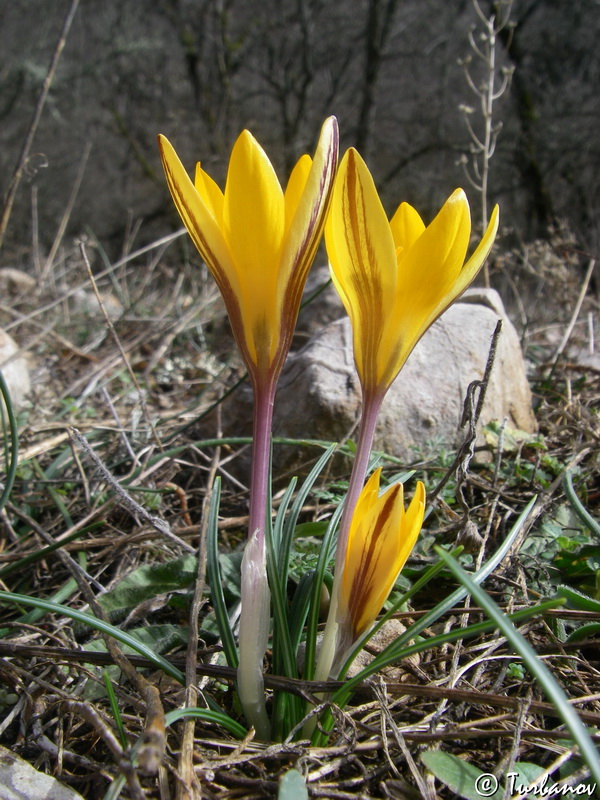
(135, 389)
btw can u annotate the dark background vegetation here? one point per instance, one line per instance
(201, 70)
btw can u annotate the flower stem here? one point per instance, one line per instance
(255, 609)
(264, 395)
(370, 410)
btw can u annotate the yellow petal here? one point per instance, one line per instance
(413, 520)
(407, 226)
(258, 242)
(210, 193)
(427, 274)
(254, 214)
(307, 200)
(200, 222)
(430, 267)
(295, 187)
(382, 535)
(454, 276)
(368, 495)
(254, 222)
(482, 251)
(362, 255)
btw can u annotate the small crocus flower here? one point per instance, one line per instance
(259, 243)
(257, 240)
(395, 277)
(381, 537)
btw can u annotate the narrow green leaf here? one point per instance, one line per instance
(99, 625)
(278, 528)
(578, 600)
(534, 664)
(286, 708)
(11, 442)
(455, 597)
(114, 707)
(584, 632)
(216, 717)
(342, 695)
(213, 571)
(289, 528)
(299, 608)
(18, 566)
(526, 774)
(398, 649)
(59, 596)
(312, 624)
(578, 507)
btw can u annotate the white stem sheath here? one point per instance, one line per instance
(254, 636)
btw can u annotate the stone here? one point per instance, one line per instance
(319, 390)
(388, 633)
(321, 304)
(15, 283)
(14, 369)
(20, 781)
(85, 302)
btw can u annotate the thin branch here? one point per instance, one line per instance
(127, 501)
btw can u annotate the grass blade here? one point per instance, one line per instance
(213, 570)
(11, 448)
(578, 507)
(99, 625)
(455, 597)
(114, 707)
(286, 707)
(534, 664)
(43, 552)
(312, 624)
(292, 518)
(343, 694)
(217, 717)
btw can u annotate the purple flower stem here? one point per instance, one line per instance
(329, 646)
(255, 610)
(370, 410)
(264, 396)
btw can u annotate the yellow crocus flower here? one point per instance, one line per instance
(395, 277)
(257, 240)
(381, 537)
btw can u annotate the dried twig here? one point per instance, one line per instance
(189, 786)
(471, 414)
(113, 332)
(127, 501)
(574, 315)
(93, 718)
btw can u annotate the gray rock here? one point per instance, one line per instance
(319, 391)
(15, 283)
(20, 781)
(321, 304)
(320, 394)
(85, 302)
(14, 369)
